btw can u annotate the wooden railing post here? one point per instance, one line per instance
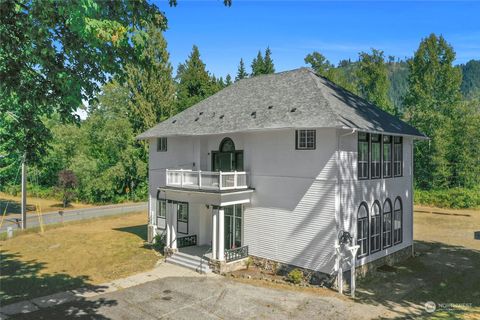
(166, 177)
(235, 179)
(200, 179)
(220, 180)
(181, 178)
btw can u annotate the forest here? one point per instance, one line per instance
(53, 63)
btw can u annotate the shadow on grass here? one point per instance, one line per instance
(140, 231)
(24, 280)
(13, 206)
(444, 274)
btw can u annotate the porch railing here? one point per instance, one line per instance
(236, 254)
(208, 180)
(187, 241)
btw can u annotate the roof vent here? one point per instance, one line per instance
(200, 113)
(293, 110)
(196, 119)
(270, 107)
(174, 121)
(254, 114)
(221, 117)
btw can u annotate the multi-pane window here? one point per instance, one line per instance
(387, 156)
(387, 224)
(305, 139)
(376, 157)
(162, 144)
(161, 213)
(182, 217)
(397, 221)
(363, 151)
(375, 228)
(362, 230)
(397, 156)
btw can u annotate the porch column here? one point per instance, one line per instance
(173, 225)
(214, 232)
(168, 223)
(221, 238)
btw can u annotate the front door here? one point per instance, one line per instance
(233, 226)
(227, 159)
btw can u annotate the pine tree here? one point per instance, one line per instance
(432, 100)
(194, 81)
(258, 65)
(241, 73)
(228, 80)
(268, 66)
(373, 83)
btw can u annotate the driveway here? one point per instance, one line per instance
(212, 297)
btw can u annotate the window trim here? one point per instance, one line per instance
(380, 162)
(368, 155)
(391, 223)
(183, 221)
(398, 200)
(383, 156)
(298, 142)
(400, 138)
(379, 235)
(162, 144)
(367, 236)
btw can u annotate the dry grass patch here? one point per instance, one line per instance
(84, 252)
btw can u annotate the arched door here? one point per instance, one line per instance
(227, 158)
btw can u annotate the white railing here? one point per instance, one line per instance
(208, 180)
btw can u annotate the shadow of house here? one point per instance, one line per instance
(140, 231)
(13, 206)
(439, 272)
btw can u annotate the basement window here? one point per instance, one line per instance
(162, 144)
(305, 139)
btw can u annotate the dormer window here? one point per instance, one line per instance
(162, 144)
(305, 139)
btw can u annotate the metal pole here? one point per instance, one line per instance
(24, 194)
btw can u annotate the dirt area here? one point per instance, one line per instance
(77, 254)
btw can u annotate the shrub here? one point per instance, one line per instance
(249, 262)
(295, 276)
(449, 198)
(159, 243)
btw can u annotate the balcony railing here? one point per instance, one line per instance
(207, 180)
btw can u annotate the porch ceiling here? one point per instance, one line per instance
(211, 197)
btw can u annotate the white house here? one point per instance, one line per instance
(279, 167)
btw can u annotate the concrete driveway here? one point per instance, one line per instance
(208, 298)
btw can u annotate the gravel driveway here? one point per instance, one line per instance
(208, 298)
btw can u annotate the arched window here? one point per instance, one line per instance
(375, 228)
(362, 230)
(397, 221)
(387, 224)
(227, 145)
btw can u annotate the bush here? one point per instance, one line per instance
(160, 242)
(249, 262)
(295, 276)
(456, 198)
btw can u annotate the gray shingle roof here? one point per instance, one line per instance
(292, 99)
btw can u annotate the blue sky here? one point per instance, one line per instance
(293, 29)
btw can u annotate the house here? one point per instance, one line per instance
(280, 167)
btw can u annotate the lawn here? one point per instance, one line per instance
(445, 269)
(83, 253)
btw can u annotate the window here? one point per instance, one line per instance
(162, 144)
(375, 228)
(397, 156)
(397, 221)
(305, 139)
(387, 156)
(387, 224)
(227, 158)
(362, 230)
(233, 226)
(161, 213)
(182, 217)
(363, 155)
(375, 158)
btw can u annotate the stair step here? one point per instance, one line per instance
(190, 262)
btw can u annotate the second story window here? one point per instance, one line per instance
(305, 139)
(363, 148)
(162, 144)
(376, 156)
(387, 156)
(397, 156)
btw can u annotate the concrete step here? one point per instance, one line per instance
(190, 262)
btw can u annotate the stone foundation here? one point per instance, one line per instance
(224, 267)
(390, 260)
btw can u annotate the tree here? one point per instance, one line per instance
(319, 64)
(471, 79)
(268, 66)
(258, 64)
(194, 81)
(373, 83)
(67, 182)
(228, 80)
(432, 100)
(241, 72)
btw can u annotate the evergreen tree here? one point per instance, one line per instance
(268, 66)
(241, 73)
(373, 83)
(432, 100)
(228, 80)
(194, 81)
(258, 65)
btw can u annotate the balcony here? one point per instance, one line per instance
(206, 180)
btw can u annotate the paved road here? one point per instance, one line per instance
(73, 215)
(207, 298)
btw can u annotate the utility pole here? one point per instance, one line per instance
(24, 192)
